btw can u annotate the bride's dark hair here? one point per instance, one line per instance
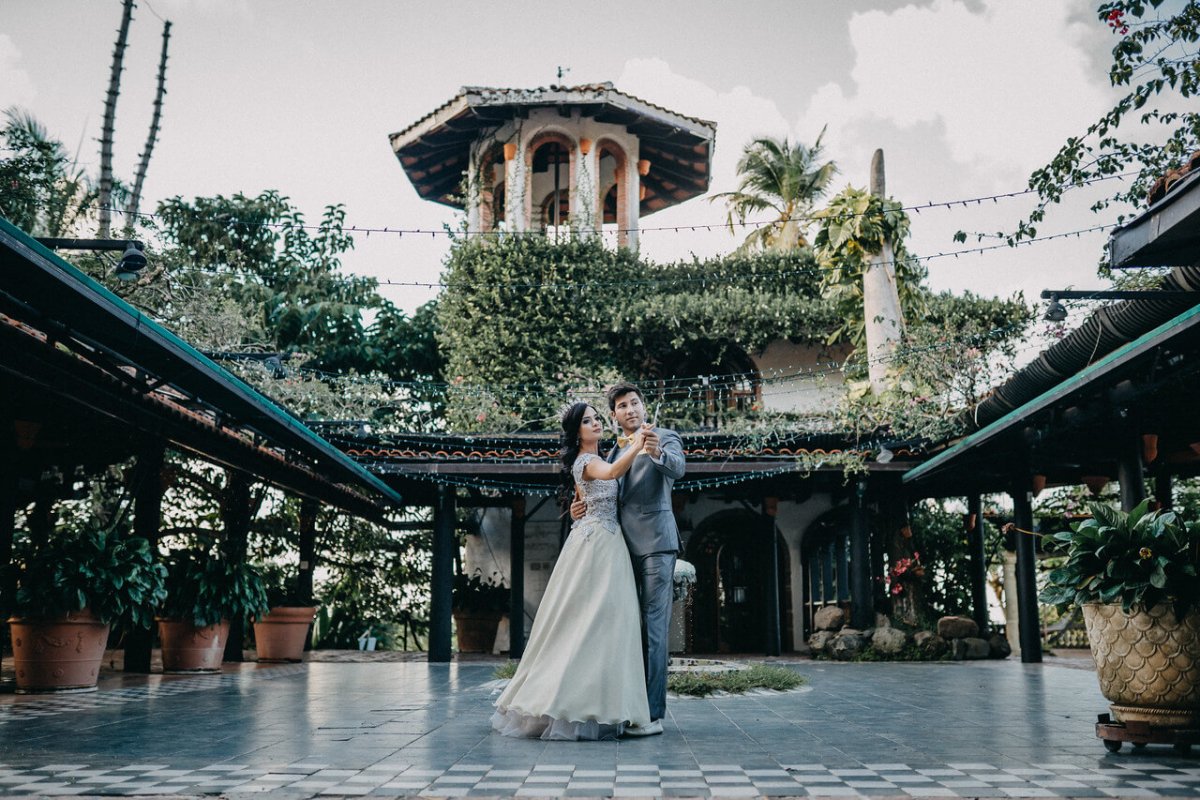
(572, 419)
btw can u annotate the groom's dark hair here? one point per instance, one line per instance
(618, 391)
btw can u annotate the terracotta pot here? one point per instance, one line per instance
(60, 654)
(187, 648)
(476, 630)
(281, 634)
(1148, 662)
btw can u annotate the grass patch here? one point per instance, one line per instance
(505, 670)
(759, 676)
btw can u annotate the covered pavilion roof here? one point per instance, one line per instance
(89, 379)
(435, 150)
(1132, 369)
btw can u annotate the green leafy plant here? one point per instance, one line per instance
(207, 587)
(116, 578)
(1139, 559)
(282, 586)
(473, 594)
(757, 676)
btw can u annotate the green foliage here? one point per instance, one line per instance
(505, 670)
(940, 536)
(1139, 558)
(471, 593)
(756, 676)
(116, 578)
(41, 190)
(204, 587)
(1152, 128)
(854, 227)
(780, 178)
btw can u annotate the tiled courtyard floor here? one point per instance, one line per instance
(985, 729)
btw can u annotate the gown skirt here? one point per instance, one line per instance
(582, 675)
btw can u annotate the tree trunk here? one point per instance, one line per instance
(135, 199)
(110, 116)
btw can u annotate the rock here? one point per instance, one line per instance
(847, 644)
(889, 641)
(999, 646)
(930, 644)
(882, 621)
(969, 649)
(820, 641)
(829, 618)
(957, 627)
(868, 634)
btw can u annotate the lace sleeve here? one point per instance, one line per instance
(579, 465)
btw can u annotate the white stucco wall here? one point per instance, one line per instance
(818, 381)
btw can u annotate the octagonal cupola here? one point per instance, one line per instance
(578, 160)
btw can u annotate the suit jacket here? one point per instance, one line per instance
(647, 520)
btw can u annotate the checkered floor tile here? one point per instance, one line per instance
(626, 780)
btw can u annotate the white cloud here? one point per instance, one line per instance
(16, 87)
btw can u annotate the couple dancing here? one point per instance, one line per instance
(591, 669)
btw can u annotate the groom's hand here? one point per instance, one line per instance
(651, 443)
(578, 509)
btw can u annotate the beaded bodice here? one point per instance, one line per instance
(600, 496)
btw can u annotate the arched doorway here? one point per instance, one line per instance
(729, 601)
(550, 174)
(826, 566)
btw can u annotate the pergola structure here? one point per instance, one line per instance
(91, 381)
(509, 471)
(1113, 400)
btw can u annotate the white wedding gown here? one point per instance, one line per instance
(582, 676)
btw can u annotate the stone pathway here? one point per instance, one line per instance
(982, 729)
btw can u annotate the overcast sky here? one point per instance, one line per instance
(966, 97)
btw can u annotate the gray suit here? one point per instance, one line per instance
(652, 536)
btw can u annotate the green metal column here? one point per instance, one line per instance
(147, 520)
(770, 509)
(442, 582)
(978, 562)
(1028, 618)
(862, 608)
(237, 537)
(308, 550)
(516, 570)
(1129, 471)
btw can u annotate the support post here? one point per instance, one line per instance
(978, 562)
(147, 520)
(308, 550)
(237, 514)
(1129, 471)
(770, 509)
(862, 608)
(1028, 619)
(1163, 488)
(516, 580)
(8, 513)
(442, 582)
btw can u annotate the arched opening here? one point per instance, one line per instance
(704, 381)
(826, 566)
(550, 175)
(610, 182)
(729, 602)
(491, 189)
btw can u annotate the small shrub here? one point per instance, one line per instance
(759, 676)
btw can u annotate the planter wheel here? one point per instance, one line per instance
(1183, 748)
(1140, 734)
(1139, 745)
(1112, 745)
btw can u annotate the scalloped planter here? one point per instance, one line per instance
(1148, 663)
(60, 655)
(188, 648)
(281, 634)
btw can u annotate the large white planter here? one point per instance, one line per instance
(1148, 662)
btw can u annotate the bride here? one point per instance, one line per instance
(582, 675)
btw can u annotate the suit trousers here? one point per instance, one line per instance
(655, 575)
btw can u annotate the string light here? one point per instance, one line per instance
(691, 227)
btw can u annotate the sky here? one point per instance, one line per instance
(965, 97)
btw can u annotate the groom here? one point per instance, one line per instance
(648, 523)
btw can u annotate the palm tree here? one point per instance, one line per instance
(781, 178)
(42, 190)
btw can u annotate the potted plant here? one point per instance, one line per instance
(478, 606)
(205, 590)
(280, 634)
(71, 589)
(1135, 576)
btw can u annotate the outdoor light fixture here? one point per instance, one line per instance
(133, 256)
(1056, 312)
